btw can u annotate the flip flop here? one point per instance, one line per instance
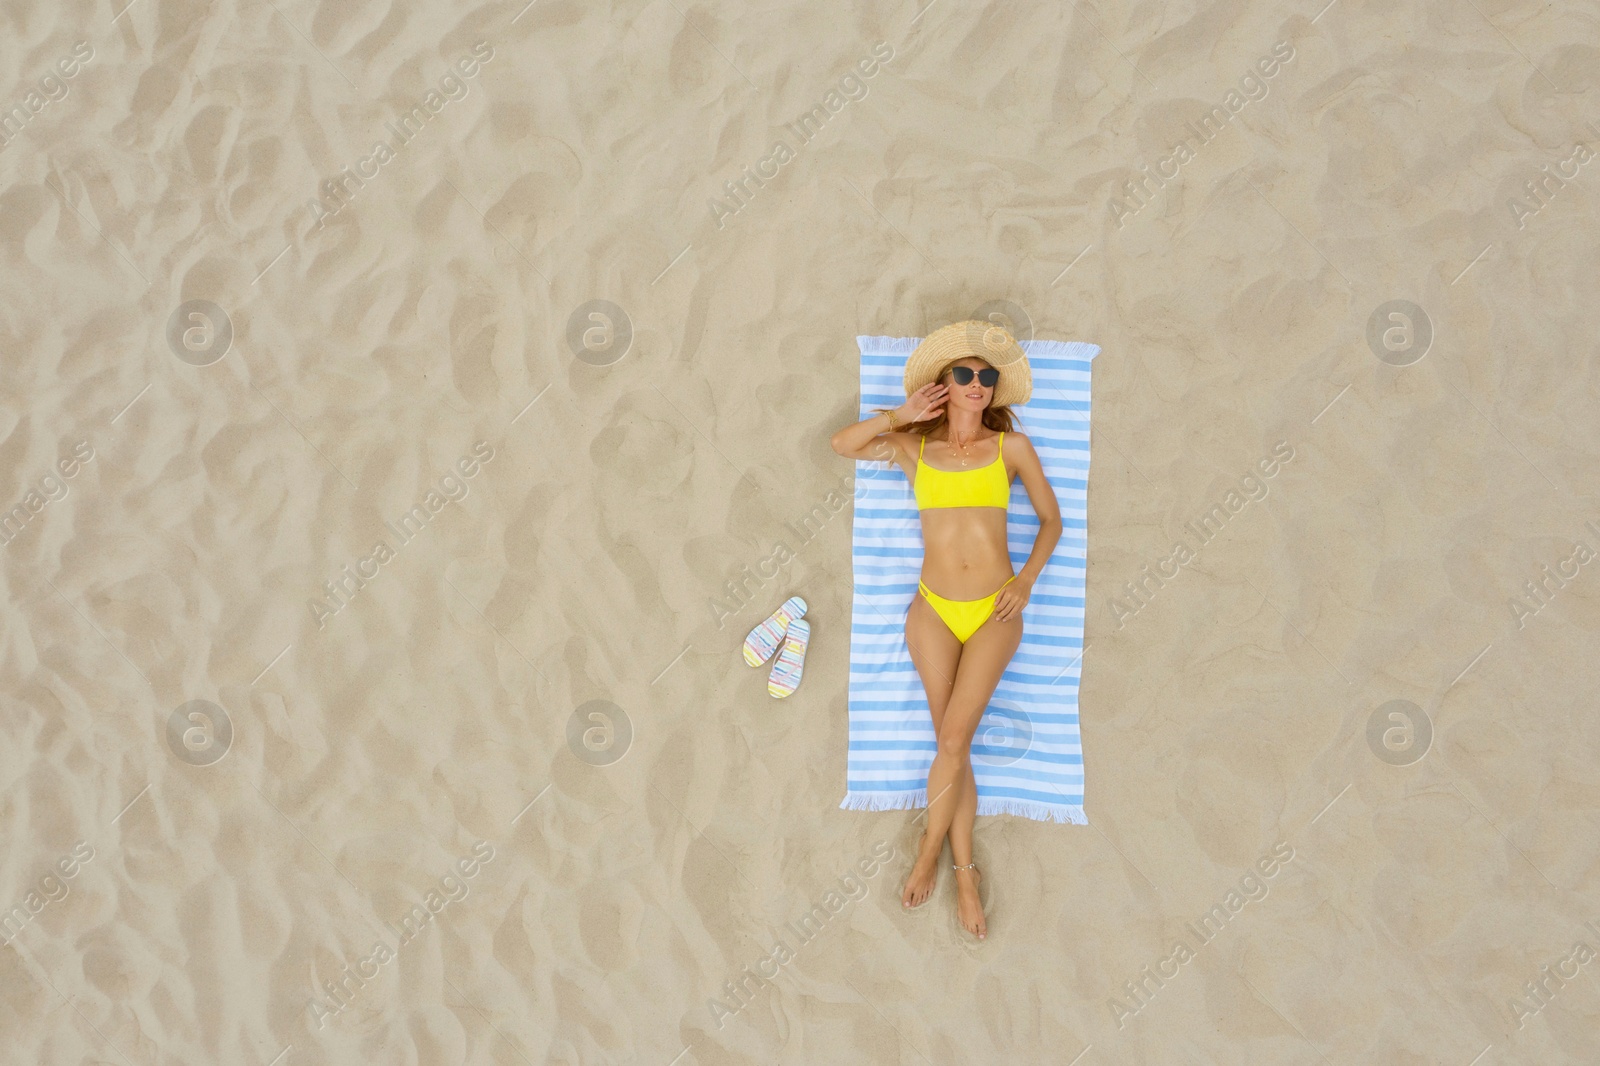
(765, 637)
(785, 676)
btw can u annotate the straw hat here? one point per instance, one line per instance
(985, 340)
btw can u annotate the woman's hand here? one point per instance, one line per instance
(867, 442)
(926, 402)
(1010, 601)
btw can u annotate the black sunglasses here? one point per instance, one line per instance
(988, 377)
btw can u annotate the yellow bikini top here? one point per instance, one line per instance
(985, 486)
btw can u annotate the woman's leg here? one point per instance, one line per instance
(966, 814)
(935, 652)
(983, 659)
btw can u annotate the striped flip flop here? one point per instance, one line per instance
(785, 676)
(765, 637)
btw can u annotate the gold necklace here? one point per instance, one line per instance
(961, 447)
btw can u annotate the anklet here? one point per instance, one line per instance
(969, 866)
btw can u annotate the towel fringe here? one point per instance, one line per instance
(884, 801)
(1061, 813)
(887, 345)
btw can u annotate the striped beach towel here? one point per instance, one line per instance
(1026, 755)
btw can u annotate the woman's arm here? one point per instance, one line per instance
(1014, 597)
(860, 440)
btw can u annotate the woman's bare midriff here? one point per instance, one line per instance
(964, 551)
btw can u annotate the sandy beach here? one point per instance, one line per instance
(406, 411)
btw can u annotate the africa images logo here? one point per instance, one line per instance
(406, 528)
(406, 127)
(49, 89)
(851, 88)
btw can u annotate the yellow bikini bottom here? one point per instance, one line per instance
(964, 617)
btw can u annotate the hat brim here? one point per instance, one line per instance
(973, 339)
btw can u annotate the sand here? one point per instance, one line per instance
(502, 791)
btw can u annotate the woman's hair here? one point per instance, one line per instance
(995, 418)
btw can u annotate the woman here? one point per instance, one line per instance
(952, 438)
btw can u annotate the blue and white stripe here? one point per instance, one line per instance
(1026, 756)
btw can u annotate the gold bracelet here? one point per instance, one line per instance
(891, 420)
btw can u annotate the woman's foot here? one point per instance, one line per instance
(924, 875)
(969, 908)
